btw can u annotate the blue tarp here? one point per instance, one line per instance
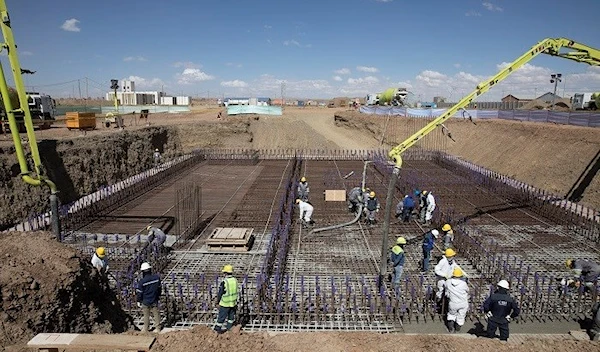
(253, 109)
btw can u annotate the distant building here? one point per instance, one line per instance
(438, 100)
(510, 99)
(129, 96)
(548, 97)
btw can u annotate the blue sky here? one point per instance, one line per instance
(319, 49)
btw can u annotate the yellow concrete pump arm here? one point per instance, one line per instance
(551, 46)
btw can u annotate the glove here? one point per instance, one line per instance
(139, 305)
(508, 318)
(488, 315)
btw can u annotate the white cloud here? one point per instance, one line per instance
(491, 7)
(342, 71)
(367, 69)
(473, 14)
(337, 78)
(70, 25)
(192, 75)
(134, 58)
(364, 80)
(267, 26)
(384, 0)
(234, 84)
(291, 42)
(144, 83)
(186, 64)
(232, 64)
(457, 65)
(26, 53)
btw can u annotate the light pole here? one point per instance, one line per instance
(555, 78)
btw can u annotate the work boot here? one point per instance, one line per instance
(457, 327)
(450, 326)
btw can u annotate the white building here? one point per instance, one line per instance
(129, 96)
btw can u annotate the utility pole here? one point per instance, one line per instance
(79, 87)
(87, 94)
(555, 78)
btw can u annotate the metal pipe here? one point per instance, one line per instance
(386, 224)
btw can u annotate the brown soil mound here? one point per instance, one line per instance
(46, 287)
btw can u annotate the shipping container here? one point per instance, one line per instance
(182, 100)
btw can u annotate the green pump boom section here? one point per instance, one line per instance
(551, 46)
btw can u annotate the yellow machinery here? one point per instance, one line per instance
(560, 47)
(114, 118)
(33, 177)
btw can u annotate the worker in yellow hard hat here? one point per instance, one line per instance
(303, 189)
(397, 258)
(448, 236)
(228, 300)
(371, 208)
(444, 269)
(99, 260)
(457, 292)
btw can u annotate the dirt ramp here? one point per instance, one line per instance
(46, 287)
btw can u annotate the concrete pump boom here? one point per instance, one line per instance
(551, 46)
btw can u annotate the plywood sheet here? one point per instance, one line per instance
(335, 195)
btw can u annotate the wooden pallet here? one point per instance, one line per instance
(54, 342)
(236, 239)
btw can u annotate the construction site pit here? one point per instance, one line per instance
(295, 280)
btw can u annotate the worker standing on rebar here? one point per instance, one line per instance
(587, 272)
(156, 236)
(397, 258)
(372, 207)
(228, 300)
(443, 271)
(99, 260)
(355, 199)
(448, 236)
(405, 208)
(157, 157)
(305, 209)
(303, 189)
(428, 241)
(429, 207)
(422, 196)
(500, 308)
(148, 294)
(457, 292)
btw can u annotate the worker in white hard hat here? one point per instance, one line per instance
(305, 209)
(397, 258)
(157, 157)
(228, 300)
(500, 308)
(303, 189)
(457, 292)
(156, 236)
(428, 241)
(99, 260)
(148, 294)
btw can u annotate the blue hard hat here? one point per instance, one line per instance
(417, 191)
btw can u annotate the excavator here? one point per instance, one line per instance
(560, 47)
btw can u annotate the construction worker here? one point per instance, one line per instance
(148, 295)
(500, 308)
(405, 208)
(99, 260)
(355, 199)
(422, 197)
(448, 236)
(303, 189)
(305, 209)
(157, 157)
(372, 207)
(457, 292)
(428, 207)
(228, 299)
(428, 241)
(397, 258)
(587, 272)
(443, 271)
(595, 330)
(156, 236)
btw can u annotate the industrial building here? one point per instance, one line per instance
(129, 96)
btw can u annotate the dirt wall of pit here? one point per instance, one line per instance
(544, 155)
(80, 166)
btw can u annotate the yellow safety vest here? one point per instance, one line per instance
(230, 297)
(397, 250)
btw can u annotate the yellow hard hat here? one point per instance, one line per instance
(100, 252)
(228, 269)
(449, 252)
(457, 272)
(401, 240)
(372, 194)
(297, 200)
(446, 227)
(303, 179)
(569, 262)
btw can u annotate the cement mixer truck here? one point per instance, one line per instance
(391, 96)
(586, 101)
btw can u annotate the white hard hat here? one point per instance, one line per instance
(503, 284)
(435, 233)
(145, 266)
(156, 149)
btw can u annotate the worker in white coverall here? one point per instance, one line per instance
(305, 209)
(443, 271)
(457, 292)
(99, 260)
(156, 236)
(430, 207)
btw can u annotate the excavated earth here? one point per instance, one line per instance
(48, 287)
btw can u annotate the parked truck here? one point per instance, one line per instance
(586, 101)
(41, 106)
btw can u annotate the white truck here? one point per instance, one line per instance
(41, 106)
(372, 99)
(586, 101)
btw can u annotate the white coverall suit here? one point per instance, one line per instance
(443, 270)
(430, 207)
(457, 292)
(306, 211)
